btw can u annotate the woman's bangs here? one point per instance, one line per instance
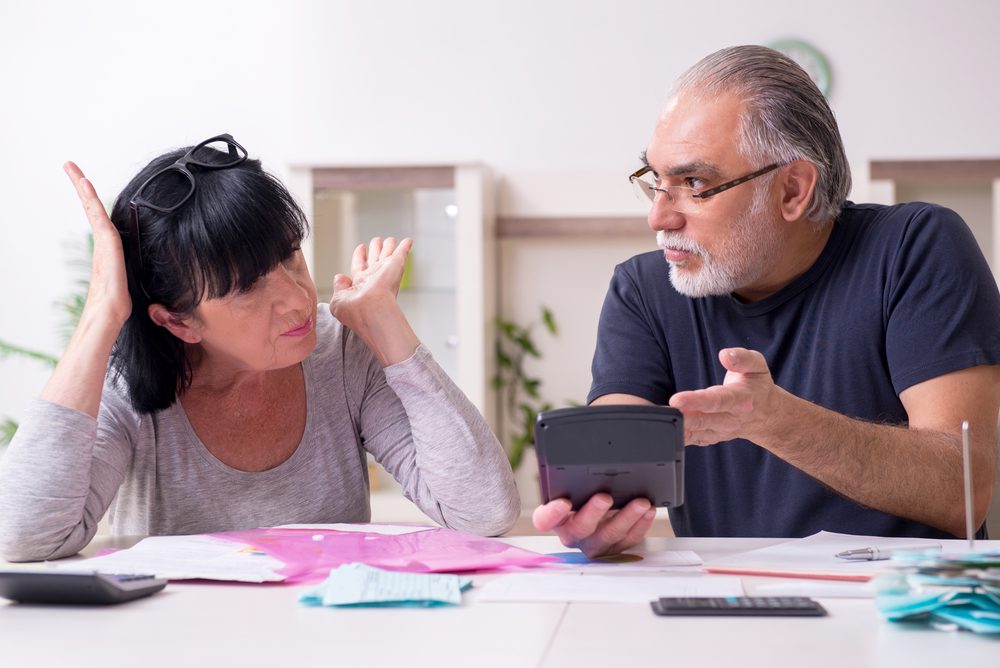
(239, 233)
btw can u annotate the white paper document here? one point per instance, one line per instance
(806, 587)
(576, 588)
(383, 529)
(186, 557)
(814, 557)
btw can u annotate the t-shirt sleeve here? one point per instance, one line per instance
(631, 355)
(59, 476)
(941, 301)
(420, 426)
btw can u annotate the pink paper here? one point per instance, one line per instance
(308, 559)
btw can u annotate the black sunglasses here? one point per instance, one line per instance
(219, 152)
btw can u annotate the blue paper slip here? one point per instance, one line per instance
(362, 585)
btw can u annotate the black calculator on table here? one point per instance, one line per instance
(51, 586)
(751, 606)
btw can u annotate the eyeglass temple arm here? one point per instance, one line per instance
(639, 172)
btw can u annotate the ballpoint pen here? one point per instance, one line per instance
(877, 553)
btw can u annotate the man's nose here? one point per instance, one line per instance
(662, 215)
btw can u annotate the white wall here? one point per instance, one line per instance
(557, 97)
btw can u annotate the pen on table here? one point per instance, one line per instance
(877, 553)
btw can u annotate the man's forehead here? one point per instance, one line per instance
(695, 134)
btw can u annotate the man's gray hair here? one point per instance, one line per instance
(786, 117)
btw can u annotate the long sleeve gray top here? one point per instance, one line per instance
(64, 469)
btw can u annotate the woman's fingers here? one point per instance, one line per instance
(359, 260)
(367, 262)
(387, 248)
(404, 247)
(341, 282)
(375, 249)
(92, 204)
(108, 291)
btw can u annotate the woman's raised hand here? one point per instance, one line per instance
(78, 380)
(376, 272)
(108, 293)
(365, 301)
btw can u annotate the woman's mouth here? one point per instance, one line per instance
(300, 330)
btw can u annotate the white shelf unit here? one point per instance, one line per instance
(449, 290)
(449, 294)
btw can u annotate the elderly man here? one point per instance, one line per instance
(824, 353)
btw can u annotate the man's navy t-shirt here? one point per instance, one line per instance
(899, 295)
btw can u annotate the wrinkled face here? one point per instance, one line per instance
(272, 326)
(734, 238)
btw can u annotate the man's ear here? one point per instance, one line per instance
(798, 183)
(185, 329)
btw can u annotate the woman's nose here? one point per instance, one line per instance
(291, 290)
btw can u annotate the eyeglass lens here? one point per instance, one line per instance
(679, 198)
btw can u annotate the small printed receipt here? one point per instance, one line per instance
(359, 584)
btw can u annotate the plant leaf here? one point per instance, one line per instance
(7, 429)
(549, 320)
(9, 350)
(516, 453)
(509, 329)
(527, 345)
(530, 386)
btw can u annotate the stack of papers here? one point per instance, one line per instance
(948, 591)
(307, 553)
(187, 558)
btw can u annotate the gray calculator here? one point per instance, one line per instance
(38, 586)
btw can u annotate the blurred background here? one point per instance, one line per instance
(499, 135)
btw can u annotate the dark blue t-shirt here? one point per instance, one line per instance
(899, 295)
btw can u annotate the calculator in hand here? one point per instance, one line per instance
(50, 586)
(756, 606)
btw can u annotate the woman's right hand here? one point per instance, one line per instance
(108, 295)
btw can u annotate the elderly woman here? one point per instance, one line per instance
(204, 389)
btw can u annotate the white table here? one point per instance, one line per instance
(201, 625)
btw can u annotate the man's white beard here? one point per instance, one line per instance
(750, 249)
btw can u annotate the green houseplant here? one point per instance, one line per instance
(519, 391)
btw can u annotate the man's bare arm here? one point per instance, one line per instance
(912, 471)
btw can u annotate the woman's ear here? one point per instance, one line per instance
(185, 329)
(798, 183)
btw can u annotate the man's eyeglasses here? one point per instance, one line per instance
(681, 198)
(171, 187)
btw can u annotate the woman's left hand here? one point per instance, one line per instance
(365, 301)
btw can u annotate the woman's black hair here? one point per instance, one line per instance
(237, 226)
